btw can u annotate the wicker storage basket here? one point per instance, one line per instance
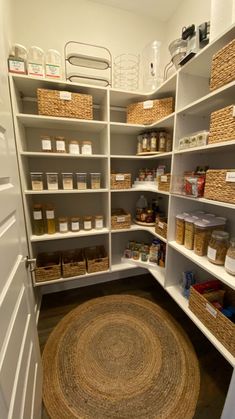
(164, 182)
(64, 104)
(96, 259)
(48, 266)
(222, 125)
(120, 180)
(73, 263)
(149, 111)
(220, 185)
(120, 219)
(221, 327)
(161, 226)
(223, 66)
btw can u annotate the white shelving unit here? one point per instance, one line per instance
(115, 147)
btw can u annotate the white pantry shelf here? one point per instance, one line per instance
(35, 154)
(62, 191)
(159, 273)
(205, 201)
(223, 146)
(72, 278)
(124, 128)
(141, 189)
(167, 155)
(69, 235)
(137, 227)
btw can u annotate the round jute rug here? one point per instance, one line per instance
(119, 357)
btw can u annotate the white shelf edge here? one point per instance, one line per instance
(144, 127)
(159, 273)
(61, 155)
(153, 156)
(202, 261)
(136, 227)
(205, 201)
(35, 117)
(147, 189)
(62, 191)
(208, 147)
(175, 292)
(69, 235)
(72, 278)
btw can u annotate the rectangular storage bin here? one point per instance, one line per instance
(164, 182)
(73, 263)
(220, 185)
(221, 327)
(96, 259)
(120, 219)
(223, 66)
(64, 104)
(120, 180)
(222, 125)
(161, 226)
(48, 266)
(149, 111)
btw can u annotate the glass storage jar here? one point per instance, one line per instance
(145, 143)
(87, 223)
(230, 258)
(218, 247)
(162, 142)
(38, 224)
(99, 222)
(168, 143)
(153, 141)
(95, 180)
(67, 181)
(81, 181)
(74, 147)
(36, 181)
(46, 143)
(52, 181)
(202, 236)
(50, 219)
(189, 233)
(87, 148)
(60, 145)
(75, 224)
(63, 224)
(139, 144)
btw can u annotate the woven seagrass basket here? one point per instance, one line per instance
(222, 125)
(149, 111)
(73, 263)
(96, 259)
(48, 266)
(161, 226)
(220, 185)
(120, 219)
(223, 66)
(164, 182)
(120, 180)
(64, 104)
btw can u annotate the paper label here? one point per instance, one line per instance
(163, 178)
(160, 225)
(230, 263)
(17, 66)
(37, 215)
(211, 253)
(65, 95)
(148, 104)
(53, 71)
(86, 149)
(50, 215)
(60, 145)
(120, 177)
(46, 145)
(87, 225)
(75, 225)
(99, 224)
(121, 219)
(63, 227)
(211, 310)
(35, 70)
(73, 148)
(230, 177)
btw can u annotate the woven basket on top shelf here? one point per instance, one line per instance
(222, 125)
(220, 185)
(48, 266)
(120, 219)
(164, 182)
(64, 104)
(161, 226)
(96, 259)
(221, 327)
(73, 263)
(223, 66)
(120, 180)
(149, 111)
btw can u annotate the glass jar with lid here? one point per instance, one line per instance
(230, 258)
(139, 144)
(50, 219)
(95, 180)
(63, 224)
(67, 181)
(87, 147)
(145, 143)
(87, 223)
(74, 147)
(38, 224)
(162, 142)
(36, 181)
(75, 224)
(203, 230)
(81, 181)
(52, 181)
(218, 247)
(60, 145)
(46, 143)
(153, 141)
(99, 222)
(168, 142)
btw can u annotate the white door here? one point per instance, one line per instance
(20, 363)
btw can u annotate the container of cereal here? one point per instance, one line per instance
(36, 181)
(180, 227)
(52, 181)
(218, 247)
(95, 180)
(67, 181)
(81, 181)
(189, 233)
(230, 258)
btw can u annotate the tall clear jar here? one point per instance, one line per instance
(162, 142)
(179, 228)
(218, 247)
(36, 62)
(50, 219)
(53, 64)
(38, 223)
(153, 142)
(230, 258)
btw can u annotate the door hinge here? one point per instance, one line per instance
(30, 264)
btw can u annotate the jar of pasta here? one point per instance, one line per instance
(189, 233)
(218, 247)
(180, 227)
(230, 258)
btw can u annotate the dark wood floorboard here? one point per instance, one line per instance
(215, 371)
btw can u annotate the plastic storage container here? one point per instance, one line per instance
(180, 227)
(151, 66)
(218, 247)
(17, 61)
(87, 223)
(53, 64)
(81, 180)
(203, 230)
(95, 180)
(38, 224)
(67, 181)
(74, 147)
(50, 219)
(46, 143)
(36, 62)
(87, 148)
(52, 181)
(36, 181)
(99, 222)
(60, 145)
(189, 233)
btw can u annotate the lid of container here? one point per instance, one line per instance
(99, 216)
(75, 218)
(220, 235)
(190, 220)
(182, 216)
(59, 138)
(93, 173)
(73, 142)
(81, 173)
(207, 222)
(51, 173)
(87, 142)
(36, 173)
(37, 206)
(64, 173)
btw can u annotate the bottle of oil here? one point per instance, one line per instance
(50, 219)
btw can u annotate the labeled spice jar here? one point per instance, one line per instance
(52, 181)
(63, 224)
(74, 147)
(136, 254)
(60, 145)
(87, 148)
(218, 247)
(145, 143)
(162, 142)
(67, 181)
(87, 223)
(50, 219)
(168, 143)
(230, 258)
(95, 180)
(99, 222)
(153, 141)
(189, 233)
(36, 181)
(38, 224)
(81, 180)
(46, 143)
(75, 224)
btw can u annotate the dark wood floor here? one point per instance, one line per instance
(215, 371)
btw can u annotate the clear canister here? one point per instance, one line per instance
(36, 181)
(63, 224)
(87, 223)
(95, 180)
(230, 258)
(75, 224)
(81, 180)
(99, 222)
(218, 247)
(153, 141)
(162, 142)
(50, 219)
(67, 181)
(52, 181)
(189, 233)
(87, 147)
(60, 145)
(38, 224)
(74, 147)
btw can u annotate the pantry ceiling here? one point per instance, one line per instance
(159, 9)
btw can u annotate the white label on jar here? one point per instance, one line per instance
(53, 71)
(148, 104)
(75, 225)
(60, 145)
(230, 177)
(37, 215)
(230, 264)
(163, 178)
(50, 215)
(87, 225)
(65, 95)
(160, 225)
(99, 224)
(73, 148)
(86, 149)
(63, 227)
(46, 144)
(120, 177)
(211, 253)
(16, 66)
(211, 310)
(35, 69)
(121, 219)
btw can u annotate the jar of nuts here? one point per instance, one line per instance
(218, 247)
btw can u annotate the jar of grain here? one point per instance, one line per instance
(52, 181)
(75, 224)
(87, 148)
(50, 219)
(218, 247)
(99, 222)
(180, 227)
(46, 143)
(36, 181)
(38, 224)
(95, 180)
(81, 180)
(87, 223)
(67, 181)
(63, 224)
(74, 147)
(202, 236)
(189, 233)
(230, 258)
(60, 145)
